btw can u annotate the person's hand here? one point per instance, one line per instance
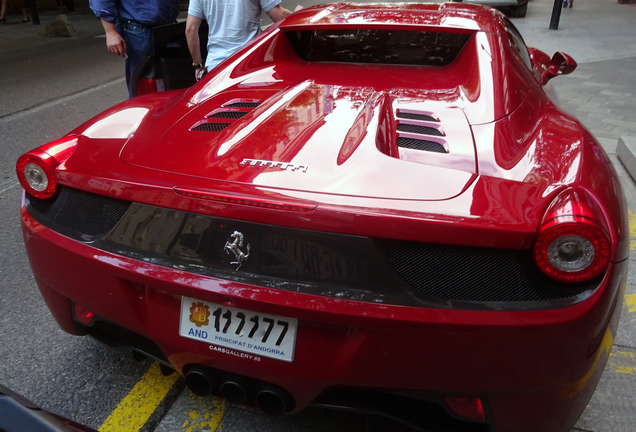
(299, 7)
(198, 73)
(116, 44)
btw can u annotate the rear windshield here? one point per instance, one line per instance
(397, 47)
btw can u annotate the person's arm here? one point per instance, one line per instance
(194, 44)
(278, 13)
(106, 11)
(114, 42)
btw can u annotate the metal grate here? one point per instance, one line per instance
(243, 105)
(211, 127)
(475, 274)
(83, 212)
(229, 115)
(403, 127)
(412, 116)
(423, 145)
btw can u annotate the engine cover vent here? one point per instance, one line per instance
(424, 145)
(211, 127)
(413, 116)
(415, 128)
(233, 110)
(424, 130)
(243, 105)
(229, 114)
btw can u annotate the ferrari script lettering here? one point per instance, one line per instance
(271, 164)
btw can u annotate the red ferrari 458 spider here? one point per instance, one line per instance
(374, 207)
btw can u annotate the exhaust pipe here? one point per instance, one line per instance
(274, 400)
(199, 380)
(234, 390)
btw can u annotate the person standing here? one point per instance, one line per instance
(128, 25)
(3, 12)
(231, 24)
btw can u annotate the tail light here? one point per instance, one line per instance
(36, 169)
(573, 245)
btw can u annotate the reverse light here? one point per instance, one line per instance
(470, 408)
(573, 245)
(36, 169)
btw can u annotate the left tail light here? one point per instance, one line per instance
(573, 244)
(36, 169)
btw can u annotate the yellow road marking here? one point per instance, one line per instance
(632, 229)
(604, 349)
(137, 407)
(205, 421)
(623, 362)
(630, 301)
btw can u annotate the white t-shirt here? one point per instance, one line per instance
(232, 23)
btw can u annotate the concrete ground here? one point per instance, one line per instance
(601, 36)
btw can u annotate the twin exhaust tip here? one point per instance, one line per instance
(239, 390)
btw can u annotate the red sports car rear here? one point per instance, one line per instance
(372, 207)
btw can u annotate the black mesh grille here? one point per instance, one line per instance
(229, 114)
(82, 212)
(416, 116)
(244, 105)
(403, 127)
(211, 127)
(475, 274)
(424, 145)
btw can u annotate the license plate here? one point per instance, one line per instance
(239, 329)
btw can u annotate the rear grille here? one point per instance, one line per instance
(243, 105)
(475, 274)
(311, 262)
(413, 116)
(229, 114)
(425, 130)
(424, 145)
(211, 127)
(82, 212)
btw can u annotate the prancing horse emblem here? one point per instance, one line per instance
(235, 248)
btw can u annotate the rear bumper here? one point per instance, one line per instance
(536, 369)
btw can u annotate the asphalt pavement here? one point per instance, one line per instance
(39, 103)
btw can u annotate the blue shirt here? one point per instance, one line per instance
(232, 23)
(148, 12)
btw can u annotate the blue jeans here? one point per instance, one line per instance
(138, 39)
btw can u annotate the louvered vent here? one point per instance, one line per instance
(423, 145)
(211, 127)
(424, 130)
(232, 111)
(413, 116)
(413, 130)
(229, 114)
(243, 105)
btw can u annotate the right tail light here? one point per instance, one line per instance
(573, 245)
